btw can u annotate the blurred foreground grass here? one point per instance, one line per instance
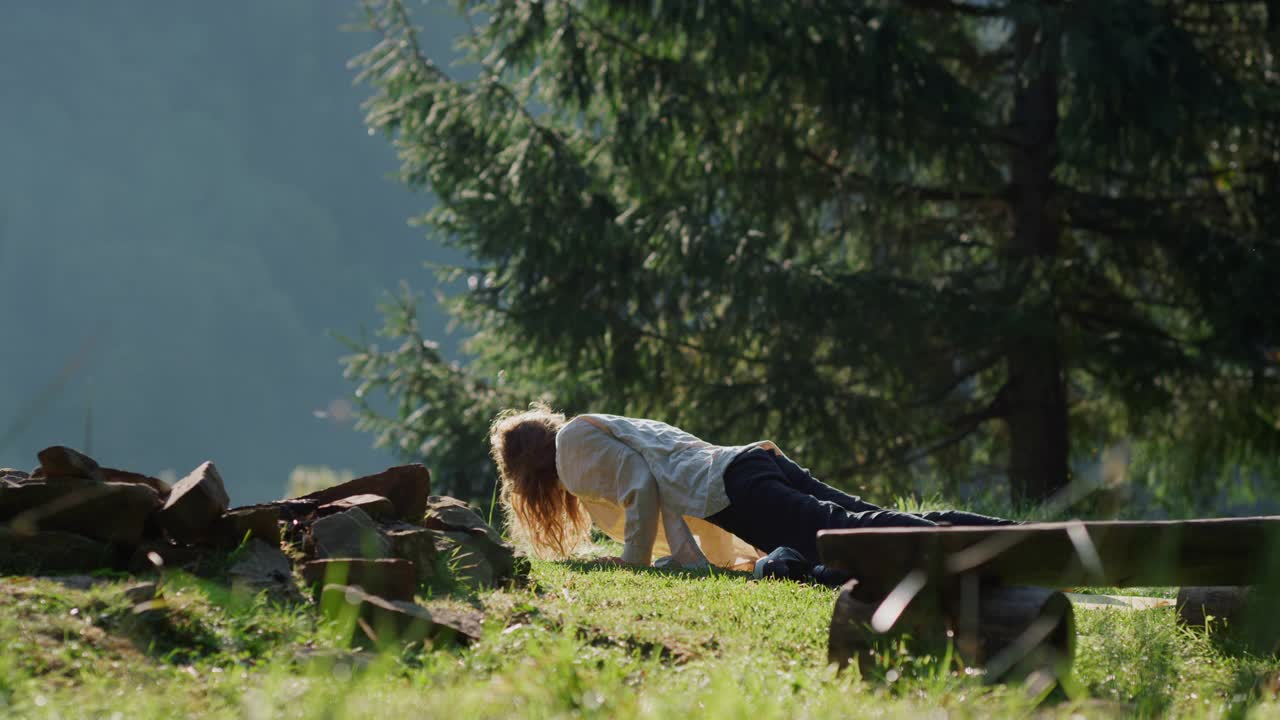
(580, 641)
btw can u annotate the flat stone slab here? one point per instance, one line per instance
(381, 622)
(255, 521)
(161, 487)
(482, 557)
(446, 513)
(384, 622)
(297, 509)
(376, 505)
(439, 502)
(1118, 602)
(416, 545)
(477, 559)
(406, 486)
(467, 624)
(194, 504)
(260, 566)
(349, 534)
(112, 512)
(390, 578)
(62, 461)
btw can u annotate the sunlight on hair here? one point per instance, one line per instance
(542, 516)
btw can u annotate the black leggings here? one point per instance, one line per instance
(774, 503)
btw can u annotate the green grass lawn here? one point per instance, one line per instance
(579, 640)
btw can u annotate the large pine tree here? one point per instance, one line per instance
(874, 231)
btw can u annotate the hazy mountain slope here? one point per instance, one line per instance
(187, 190)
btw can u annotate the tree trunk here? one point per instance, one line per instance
(1037, 420)
(1035, 395)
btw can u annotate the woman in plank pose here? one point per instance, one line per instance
(652, 487)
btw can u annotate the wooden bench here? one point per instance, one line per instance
(996, 591)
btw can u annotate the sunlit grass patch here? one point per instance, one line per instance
(580, 640)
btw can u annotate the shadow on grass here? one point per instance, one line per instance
(589, 566)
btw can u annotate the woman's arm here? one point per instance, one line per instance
(684, 549)
(638, 496)
(608, 466)
(595, 466)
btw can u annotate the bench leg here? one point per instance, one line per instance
(1222, 602)
(1012, 631)
(1244, 613)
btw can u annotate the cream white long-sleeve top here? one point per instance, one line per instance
(650, 485)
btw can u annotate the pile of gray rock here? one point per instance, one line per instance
(363, 548)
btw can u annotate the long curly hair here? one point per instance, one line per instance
(541, 514)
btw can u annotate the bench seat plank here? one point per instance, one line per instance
(1115, 553)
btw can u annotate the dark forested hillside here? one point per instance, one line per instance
(189, 202)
